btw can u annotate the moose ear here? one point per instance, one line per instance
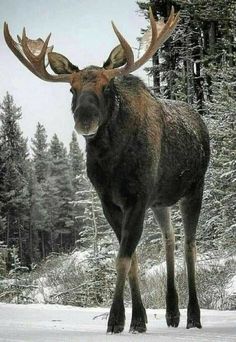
(60, 64)
(116, 58)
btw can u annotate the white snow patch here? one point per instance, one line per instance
(54, 323)
(206, 261)
(161, 267)
(78, 257)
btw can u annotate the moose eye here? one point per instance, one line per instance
(72, 91)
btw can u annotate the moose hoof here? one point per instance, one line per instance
(193, 323)
(139, 320)
(172, 320)
(115, 329)
(193, 317)
(137, 326)
(116, 322)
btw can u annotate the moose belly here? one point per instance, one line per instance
(169, 189)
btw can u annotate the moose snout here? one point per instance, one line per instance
(86, 119)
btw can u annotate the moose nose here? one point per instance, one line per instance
(86, 113)
(86, 119)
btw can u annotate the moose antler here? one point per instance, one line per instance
(160, 33)
(32, 53)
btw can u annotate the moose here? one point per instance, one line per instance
(142, 152)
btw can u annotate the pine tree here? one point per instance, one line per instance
(205, 33)
(60, 176)
(79, 184)
(39, 173)
(76, 160)
(99, 240)
(218, 229)
(40, 155)
(36, 215)
(14, 176)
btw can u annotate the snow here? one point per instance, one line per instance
(78, 257)
(42, 322)
(231, 288)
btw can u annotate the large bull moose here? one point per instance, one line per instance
(142, 152)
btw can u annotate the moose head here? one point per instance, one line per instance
(89, 86)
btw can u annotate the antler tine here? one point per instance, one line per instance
(35, 63)
(169, 26)
(158, 38)
(128, 54)
(32, 57)
(38, 61)
(126, 47)
(14, 47)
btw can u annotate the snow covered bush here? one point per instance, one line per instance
(72, 279)
(215, 277)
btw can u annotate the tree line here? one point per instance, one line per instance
(39, 212)
(46, 201)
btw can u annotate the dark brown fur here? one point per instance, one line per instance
(147, 153)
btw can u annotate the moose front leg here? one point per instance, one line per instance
(139, 318)
(132, 227)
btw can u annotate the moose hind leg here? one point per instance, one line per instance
(139, 317)
(172, 310)
(190, 208)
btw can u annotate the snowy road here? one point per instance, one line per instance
(55, 323)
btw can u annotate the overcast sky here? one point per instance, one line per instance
(81, 30)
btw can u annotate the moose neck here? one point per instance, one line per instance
(112, 135)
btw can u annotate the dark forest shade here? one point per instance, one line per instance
(205, 39)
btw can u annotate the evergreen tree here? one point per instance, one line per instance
(14, 197)
(99, 240)
(38, 177)
(77, 162)
(60, 178)
(79, 184)
(218, 229)
(40, 155)
(48, 212)
(36, 216)
(205, 34)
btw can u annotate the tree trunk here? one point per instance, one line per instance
(8, 230)
(30, 242)
(95, 236)
(20, 242)
(42, 245)
(52, 241)
(156, 74)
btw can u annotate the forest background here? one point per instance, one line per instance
(56, 245)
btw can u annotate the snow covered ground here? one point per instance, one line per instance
(40, 322)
